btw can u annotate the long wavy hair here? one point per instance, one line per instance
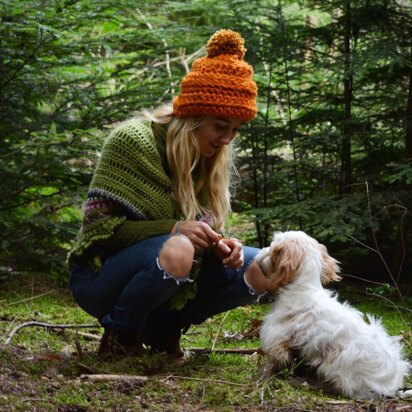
(200, 185)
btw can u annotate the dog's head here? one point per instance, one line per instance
(294, 254)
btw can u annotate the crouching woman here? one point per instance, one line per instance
(149, 259)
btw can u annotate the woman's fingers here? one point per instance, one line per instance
(235, 259)
(200, 233)
(230, 251)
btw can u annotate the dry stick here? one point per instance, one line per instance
(47, 326)
(88, 368)
(114, 377)
(345, 275)
(218, 331)
(31, 298)
(405, 211)
(239, 351)
(376, 250)
(204, 380)
(376, 243)
(93, 371)
(383, 260)
(86, 335)
(393, 304)
(185, 62)
(374, 294)
(79, 348)
(137, 378)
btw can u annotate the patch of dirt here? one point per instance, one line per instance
(31, 382)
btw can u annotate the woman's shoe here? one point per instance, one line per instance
(162, 333)
(106, 344)
(128, 343)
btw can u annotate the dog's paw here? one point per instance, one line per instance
(268, 370)
(406, 394)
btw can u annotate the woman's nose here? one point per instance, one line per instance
(227, 137)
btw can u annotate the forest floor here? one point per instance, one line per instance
(49, 368)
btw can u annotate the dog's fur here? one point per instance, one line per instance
(355, 358)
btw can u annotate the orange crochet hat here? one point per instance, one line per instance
(219, 84)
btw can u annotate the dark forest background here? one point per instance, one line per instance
(329, 153)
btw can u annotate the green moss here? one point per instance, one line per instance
(208, 381)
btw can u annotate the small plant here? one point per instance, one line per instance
(382, 290)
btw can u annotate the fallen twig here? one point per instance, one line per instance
(204, 380)
(137, 378)
(113, 377)
(239, 351)
(92, 370)
(87, 368)
(47, 326)
(90, 336)
(31, 298)
(218, 331)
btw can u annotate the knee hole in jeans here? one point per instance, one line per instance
(176, 256)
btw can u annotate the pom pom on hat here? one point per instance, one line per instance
(226, 42)
(219, 84)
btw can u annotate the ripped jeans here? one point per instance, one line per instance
(131, 286)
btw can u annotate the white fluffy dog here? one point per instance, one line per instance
(355, 358)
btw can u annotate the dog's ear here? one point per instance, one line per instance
(286, 259)
(330, 267)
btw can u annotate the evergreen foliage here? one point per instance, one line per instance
(330, 150)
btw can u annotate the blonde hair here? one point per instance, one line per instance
(210, 192)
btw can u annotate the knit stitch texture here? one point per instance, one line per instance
(219, 84)
(130, 171)
(129, 174)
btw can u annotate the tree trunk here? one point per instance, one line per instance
(255, 164)
(408, 135)
(346, 161)
(291, 126)
(265, 157)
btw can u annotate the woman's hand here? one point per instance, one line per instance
(200, 234)
(230, 251)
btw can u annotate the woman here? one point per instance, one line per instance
(149, 259)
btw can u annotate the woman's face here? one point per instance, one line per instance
(214, 132)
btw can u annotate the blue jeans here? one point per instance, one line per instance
(131, 285)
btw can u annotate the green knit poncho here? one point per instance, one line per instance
(130, 173)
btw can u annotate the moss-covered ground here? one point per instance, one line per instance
(42, 369)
